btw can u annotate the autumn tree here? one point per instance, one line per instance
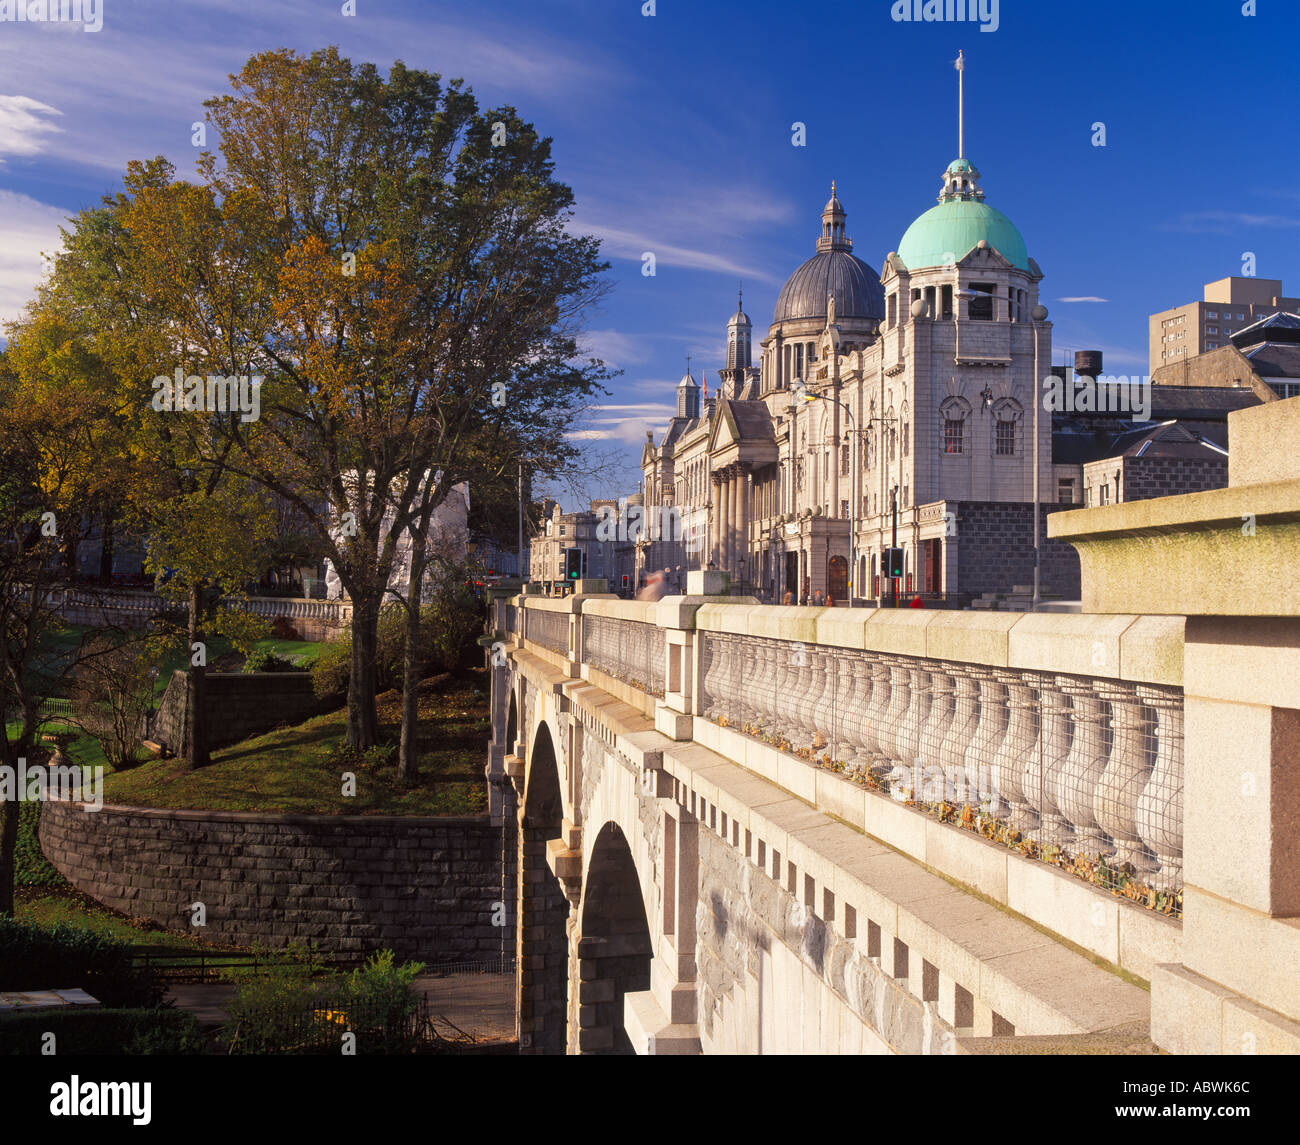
(398, 263)
(94, 343)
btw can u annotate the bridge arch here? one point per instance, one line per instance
(543, 908)
(615, 948)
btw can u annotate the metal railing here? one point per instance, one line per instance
(1082, 772)
(631, 651)
(549, 629)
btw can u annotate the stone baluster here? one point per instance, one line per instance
(778, 658)
(813, 724)
(733, 658)
(750, 653)
(910, 771)
(852, 750)
(963, 786)
(1132, 757)
(829, 710)
(712, 671)
(775, 664)
(1042, 766)
(1075, 785)
(873, 719)
(934, 730)
(989, 730)
(790, 701)
(891, 727)
(1020, 742)
(1160, 809)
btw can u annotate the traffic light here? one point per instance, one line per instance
(572, 564)
(625, 580)
(894, 563)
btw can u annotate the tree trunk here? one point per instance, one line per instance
(363, 717)
(196, 731)
(408, 751)
(10, 754)
(106, 550)
(8, 843)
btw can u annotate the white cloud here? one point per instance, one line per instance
(27, 227)
(22, 126)
(613, 347)
(683, 223)
(1225, 222)
(1083, 298)
(619, 242)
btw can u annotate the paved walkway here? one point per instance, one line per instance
(481, 1005)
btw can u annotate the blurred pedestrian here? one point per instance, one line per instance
(656, 587)
(788, 598)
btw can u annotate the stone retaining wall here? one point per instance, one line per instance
(423, 887)
(238, 705)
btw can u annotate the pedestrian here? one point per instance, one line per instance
(830, 601)
(916, 603)
(656, 588)
(788, 598)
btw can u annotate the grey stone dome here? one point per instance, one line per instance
(857, 289)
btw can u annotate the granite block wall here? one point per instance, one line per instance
(238, 705)
(425, 888)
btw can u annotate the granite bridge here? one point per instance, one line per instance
(759, 829)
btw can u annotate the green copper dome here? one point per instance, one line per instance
(946, 233)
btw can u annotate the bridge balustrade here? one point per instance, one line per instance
(630, 651)
(1083, 771)
(549, 629)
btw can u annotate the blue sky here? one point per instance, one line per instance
(675, 133)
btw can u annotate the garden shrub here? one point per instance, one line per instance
(63, 956)
(33, 869)
(264, 660)
(79, 1030)
(293, 1008)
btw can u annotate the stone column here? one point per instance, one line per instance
(742, 538)
(734, 534)
(716, 549)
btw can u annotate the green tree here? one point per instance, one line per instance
(404, 276)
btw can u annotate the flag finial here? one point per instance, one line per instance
(960, 64)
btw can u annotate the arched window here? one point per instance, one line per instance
(1007, 418)
(953, 414)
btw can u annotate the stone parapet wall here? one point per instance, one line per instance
(237, 705)
(422, 887)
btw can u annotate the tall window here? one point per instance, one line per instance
(1065, 491)
(954, 411)
(1006, 416)
(953, 435)
(844, 459)
(945, 299)
(844, 510)
(981, 306)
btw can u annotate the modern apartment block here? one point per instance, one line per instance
(1228, 305)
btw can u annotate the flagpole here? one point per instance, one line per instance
(961, 105)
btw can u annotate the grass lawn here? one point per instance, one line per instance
(48, 906)
(292, 770)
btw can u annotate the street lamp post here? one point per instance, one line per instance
(1038, 314)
